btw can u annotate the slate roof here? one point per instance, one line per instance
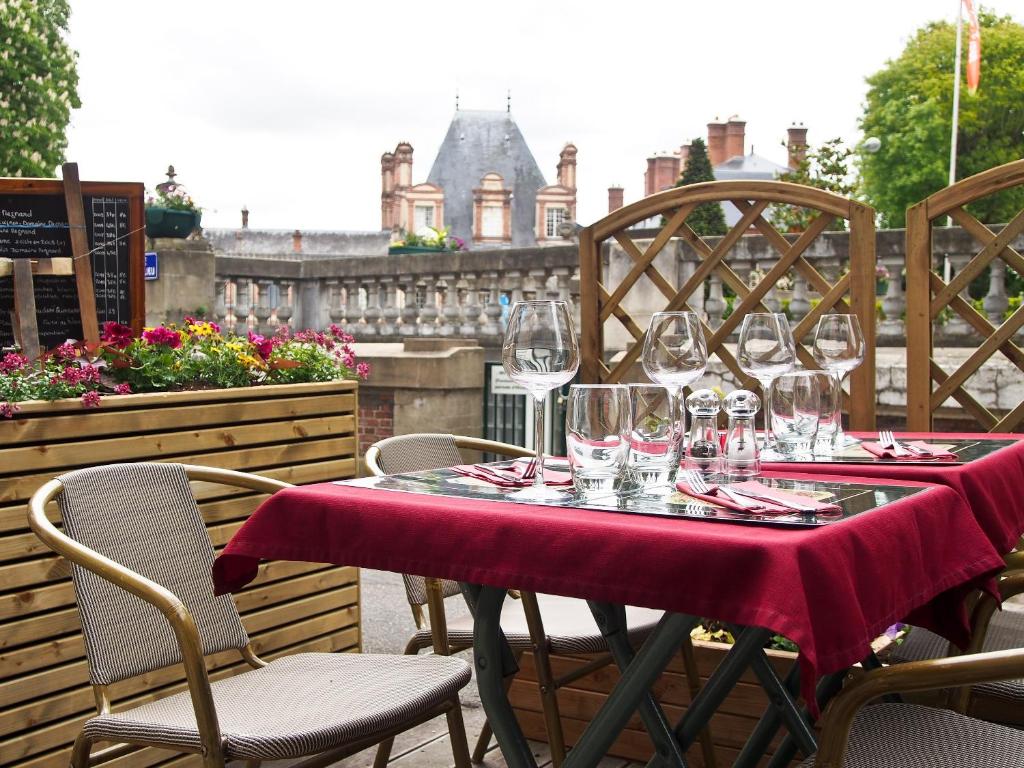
(480, 142)
(742, 167)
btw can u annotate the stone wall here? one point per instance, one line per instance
(186, 283)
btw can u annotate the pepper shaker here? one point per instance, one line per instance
(742, 458)
(704, 449)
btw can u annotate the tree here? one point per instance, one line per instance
(828, 168)
(38, 86)
(706, 218)
(909, 107)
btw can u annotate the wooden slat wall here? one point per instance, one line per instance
(298, 433)
(579, 701)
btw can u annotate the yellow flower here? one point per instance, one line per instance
(252, 362)
(235, 346)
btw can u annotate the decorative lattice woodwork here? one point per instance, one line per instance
(928, 295)
(853, 291)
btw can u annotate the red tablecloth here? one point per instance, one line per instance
(830, 589)
(993, 486)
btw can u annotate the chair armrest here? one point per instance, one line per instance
(949, 672)
(492, 446)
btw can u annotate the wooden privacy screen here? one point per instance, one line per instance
(851, 292)
(928, 295)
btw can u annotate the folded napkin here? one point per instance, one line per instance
(518, 475)
(779, 505)
(927, 452)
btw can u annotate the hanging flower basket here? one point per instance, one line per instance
(168, 222)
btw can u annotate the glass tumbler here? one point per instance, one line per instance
(829, 415)
(795, 408)
(597, 436)
(654, 437)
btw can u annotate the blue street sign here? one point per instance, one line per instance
(152, 270)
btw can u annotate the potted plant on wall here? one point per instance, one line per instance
(171, 211)
(440, 240)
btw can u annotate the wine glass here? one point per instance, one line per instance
(766, 350)
(838, 349)
(675, 354)
(540, 353)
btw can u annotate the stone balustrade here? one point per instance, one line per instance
(462, 295)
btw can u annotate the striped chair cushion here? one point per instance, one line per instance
(298, 705)
(144, 517)
(911, 736)
(1005, 632)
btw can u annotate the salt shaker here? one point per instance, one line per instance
(703, 449)
(741, 455)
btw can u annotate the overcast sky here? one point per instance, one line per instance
(286, 107)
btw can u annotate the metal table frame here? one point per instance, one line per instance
(494, 661)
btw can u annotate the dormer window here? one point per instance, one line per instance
(492, 210)
(553, 217)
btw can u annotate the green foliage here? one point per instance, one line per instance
(828, 168)
(38, 86)
(707, 218)
(909, 107)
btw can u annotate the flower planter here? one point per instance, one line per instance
(416, 249)
(171, 222)
(300, 433)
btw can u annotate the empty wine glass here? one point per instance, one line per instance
(838, 349)
(675, 354)
(766, 350)
(540, 353)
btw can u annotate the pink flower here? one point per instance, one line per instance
(66, 351)
(120, 336)
(164, 336)
(12, 361)
(363, 370)
(123, 389)
(349, 359)
(263, 346)
(91, 400)
(339, 333)
(7, 410)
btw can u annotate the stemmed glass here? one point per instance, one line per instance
(838, 349)
(766, 350)
(540, 353)
(675, 354)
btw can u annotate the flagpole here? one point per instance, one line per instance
(946, 265)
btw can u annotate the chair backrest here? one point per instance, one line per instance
(144, 517)
(929, 296)
(418, 452)
(602, 298)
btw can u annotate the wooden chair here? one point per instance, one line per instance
(928, 295)
(900, 735)
(602, 300)
(141, 562)
(567, 627)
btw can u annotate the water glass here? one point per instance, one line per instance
(829, 414)
(795, 403)
(654, 436)
(597, 428)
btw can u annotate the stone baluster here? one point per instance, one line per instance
(894, 304)
(449, 312)
(410, 311)
(372, 312)
(335, 307)
(799, 303)
(715, 304)
(470, 325)
(957, 327)
(243, 305)
(286, 302)
(263, 310)
(220, 301)
(562, 276)
(428, 311)
(771, 299)
(389, 310)
(996, 302)
(513, 280)
(687, 267)
(352, 311)
(492, 309)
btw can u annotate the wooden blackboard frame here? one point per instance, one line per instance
(134, 192)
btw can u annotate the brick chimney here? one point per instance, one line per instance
(735, 134)
(796, 144)
(716, 143)
(297, 241)
(403, 165)
(684, 155)
(567, 166)
(614, 198)
(387, 172)
(245, 217)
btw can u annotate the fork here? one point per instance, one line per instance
(888, 440)
(694, 480)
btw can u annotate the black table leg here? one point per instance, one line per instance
(768, 725)
(611, 620)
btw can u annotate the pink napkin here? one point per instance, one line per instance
(763, 507)
(518, 475)
(933, 453)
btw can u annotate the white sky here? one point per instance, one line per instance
(287, 107)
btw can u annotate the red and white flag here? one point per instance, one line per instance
(973, 49)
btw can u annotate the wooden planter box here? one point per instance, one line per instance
(301, 433)
(579, 702)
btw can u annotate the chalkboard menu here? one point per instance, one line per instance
(34, 225)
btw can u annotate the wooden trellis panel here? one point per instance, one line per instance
(928, 384)
(853, 292)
